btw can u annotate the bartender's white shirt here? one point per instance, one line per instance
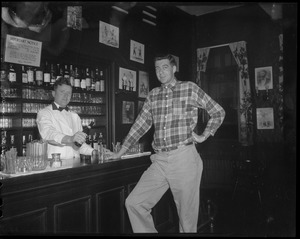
(54, 125)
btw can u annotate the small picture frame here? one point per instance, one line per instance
(143, 84)
(137, 51)
(74, 17)
(127, 79)
(263, 78)
(108, 34)
(127, 112)
(265, 118)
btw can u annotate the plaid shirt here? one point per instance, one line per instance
(173, 109)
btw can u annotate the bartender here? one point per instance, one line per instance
(60, 126)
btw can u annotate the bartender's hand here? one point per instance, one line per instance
(79, 137)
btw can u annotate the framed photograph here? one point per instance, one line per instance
(127, 112)
(137, 51)
(263, 78)
(140, 105)
(74, 17)
(127, 79)
(265, 118)
(177, 62)
(143, 84)
(108, 34)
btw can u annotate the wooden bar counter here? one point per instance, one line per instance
(79, 200)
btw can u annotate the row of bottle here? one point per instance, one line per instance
(8, 122)
(9, 92)
(11, 107)
(86, 79)
(43, 94)
(94, 141)
(9, 141)
(98, 143)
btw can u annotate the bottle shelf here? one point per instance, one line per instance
(21, 101)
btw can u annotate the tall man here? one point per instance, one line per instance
(173, 110)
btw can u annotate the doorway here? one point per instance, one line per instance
(220, 81)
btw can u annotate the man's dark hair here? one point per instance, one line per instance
(61, 81)
(165, 56)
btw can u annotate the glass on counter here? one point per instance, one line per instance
(24, 164)
(37, 151)
(11, 161)
(56, 161)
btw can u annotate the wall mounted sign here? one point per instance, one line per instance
(137, 51)
(265, 118)
(263, 78)
(127, 79)
(108, 34)
(22, 51)
(143, 84)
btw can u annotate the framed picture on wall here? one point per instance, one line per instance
(74, 17)
(263, 78)
(137, 51)
(127, 79)
(108, 34)
(127, 112)
(265, 118)
(143, 84)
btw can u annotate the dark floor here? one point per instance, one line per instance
(244, 215)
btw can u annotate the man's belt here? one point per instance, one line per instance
(174, 147)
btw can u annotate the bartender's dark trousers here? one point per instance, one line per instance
(181, 171)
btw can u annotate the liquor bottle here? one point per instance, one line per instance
(52, 74)
(97, 80)
(24, 145)
(59, 71)
(92, 81)
(39, 76)
(89, 140)
(100, 140)
(83, 81)
(72, 75)
(77, 79)
(101, 148)
(86, 130)
(87, 79)
(24, 76)
(95, 142)
(3, 139)
(29, 138)
(12, 141)
(102, 82)
(3, 149)
(12, 76)
(47, 75)
(66, 72)
(30, 75)
(4, 71)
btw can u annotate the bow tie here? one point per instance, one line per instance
(59, 108)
